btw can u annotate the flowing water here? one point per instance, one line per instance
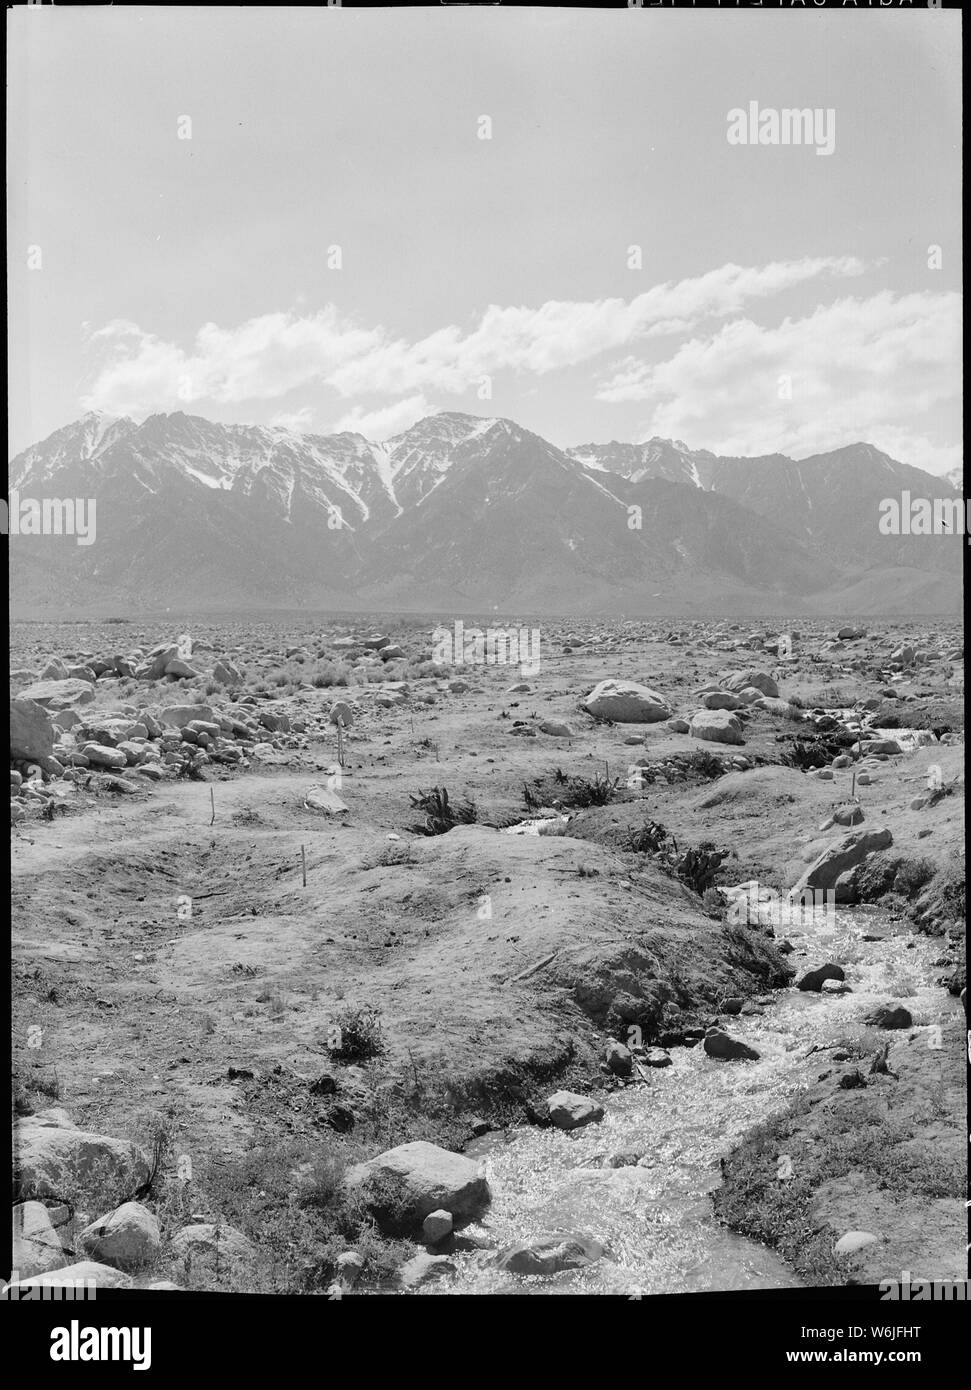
(656, 1219)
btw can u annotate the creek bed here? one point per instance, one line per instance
(656, 1219)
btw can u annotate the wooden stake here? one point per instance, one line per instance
(303, 860)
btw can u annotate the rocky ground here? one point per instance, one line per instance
(271, 924)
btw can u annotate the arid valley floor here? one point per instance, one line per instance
(206, 1046)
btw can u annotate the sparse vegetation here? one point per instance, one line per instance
(441, 815)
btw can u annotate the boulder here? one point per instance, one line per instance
(436, 1226)
(31, 731)
(840, 856)
(716, 726)
(100, 756)
(618, 1058)
(549, 1254)
(55, 695)
(555, 729)
(813, 980)
(49, 1159)
(656, 1057)
(890, 1016)
(757, 680)
(226, 672)
(718, 1044)
(36, 1245)
(212, 1247)
(429, 1179)
(181, 715)
(720, 699)
(323, 799)
(127, 1238)
(626, 702)
(83, 1276)
(181, 669)
(852, 1241)
(569, 1111)
(850, 633)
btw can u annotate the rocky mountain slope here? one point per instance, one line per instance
(466, 513)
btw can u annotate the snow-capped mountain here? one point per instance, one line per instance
(465, 512)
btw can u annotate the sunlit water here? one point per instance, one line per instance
(656, 1219)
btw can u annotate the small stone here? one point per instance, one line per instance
(853, 1241)
(436, 1226)
(569, 1111)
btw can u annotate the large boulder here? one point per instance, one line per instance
(427, 1179)
(31, 731)
(127, 1238)
(839, 857)
(57, 695)
(52, 1159)
(36, 1245)
(626, 702)
(758, 680)
(716, 726)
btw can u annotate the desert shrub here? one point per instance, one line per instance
(328, 673)
(358, 1034)
(703, 763)
(647, 839)
(713, 903)
(441, 815)
(698, 866)
(912, 875)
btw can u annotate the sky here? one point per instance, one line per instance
(332, 244)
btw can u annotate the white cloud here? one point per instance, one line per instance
(386, 420)
(299, 420)
(860, 369)
(269, 356)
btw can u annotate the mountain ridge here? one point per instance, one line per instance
(471, 509)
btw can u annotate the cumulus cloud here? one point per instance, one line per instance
(857, 369)
(386, 420)
(298, 420)
(268, 356)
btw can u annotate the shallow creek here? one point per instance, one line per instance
(656, 1219)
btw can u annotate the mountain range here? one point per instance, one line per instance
(464, 514)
